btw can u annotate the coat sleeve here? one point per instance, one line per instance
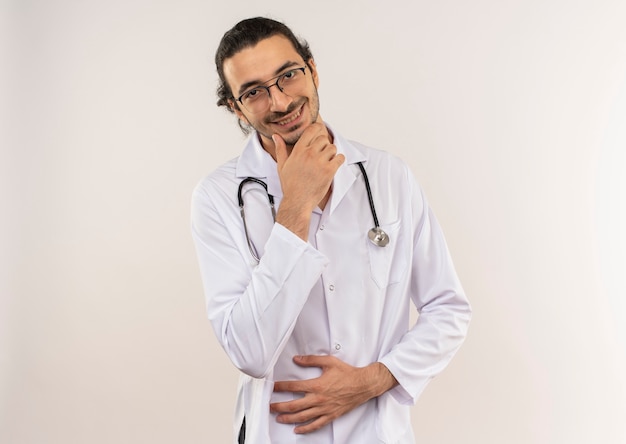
(253, 309)
(444, 310)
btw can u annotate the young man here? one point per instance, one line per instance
(312, 305)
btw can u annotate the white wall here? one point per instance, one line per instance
(511, 113)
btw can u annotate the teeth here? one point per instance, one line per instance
(289, 120)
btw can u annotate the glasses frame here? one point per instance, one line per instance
(277, 79)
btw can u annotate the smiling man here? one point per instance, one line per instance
(312, 249)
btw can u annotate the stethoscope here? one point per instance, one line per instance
(376, 235)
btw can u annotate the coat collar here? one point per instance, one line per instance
(256, 162)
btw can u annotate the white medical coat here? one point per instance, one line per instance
(337, 294)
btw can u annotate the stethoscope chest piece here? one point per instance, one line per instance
(378, 237)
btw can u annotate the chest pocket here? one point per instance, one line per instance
(387, 264)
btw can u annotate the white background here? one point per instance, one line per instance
(511, 113)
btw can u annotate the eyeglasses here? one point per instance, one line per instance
(257, 99)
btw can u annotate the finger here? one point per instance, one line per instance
(293, 406)
(339, 159)
(302, 417)
(313, 425)
(321, 142)
(329, 151)
(313, 360)
(291, 386)
(280, 149)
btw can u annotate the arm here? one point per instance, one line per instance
(253, 312)
(444, 311)
(418, 355)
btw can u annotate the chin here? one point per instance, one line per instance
(292, 137)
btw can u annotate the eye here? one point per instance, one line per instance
(290, 74)
(253, 94)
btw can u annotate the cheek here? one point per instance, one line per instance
(242, 117)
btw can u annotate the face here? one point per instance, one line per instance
(287, 116)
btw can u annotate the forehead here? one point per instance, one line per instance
(260, 62)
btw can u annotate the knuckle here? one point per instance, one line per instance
(320, 139)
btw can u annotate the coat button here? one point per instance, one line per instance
(337, 346)
(331, 287)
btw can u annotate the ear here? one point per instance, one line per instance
(313, 68)
(235, 108)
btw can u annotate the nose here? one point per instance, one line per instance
(279, 100)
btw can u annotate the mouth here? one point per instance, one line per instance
(291, 119)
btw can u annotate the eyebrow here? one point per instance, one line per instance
(278, 72)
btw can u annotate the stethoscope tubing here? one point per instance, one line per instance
(369, 194)
(376, 235)
(253, 251)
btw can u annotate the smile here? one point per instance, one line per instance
(290, 119)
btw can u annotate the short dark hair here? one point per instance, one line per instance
(245, 34)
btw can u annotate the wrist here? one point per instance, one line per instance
(382, 379)
(295, 218)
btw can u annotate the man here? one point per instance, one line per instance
(313, 307)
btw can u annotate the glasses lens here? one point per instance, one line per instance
(258, 100)
(291, 82)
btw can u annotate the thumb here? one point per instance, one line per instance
(280, 149)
